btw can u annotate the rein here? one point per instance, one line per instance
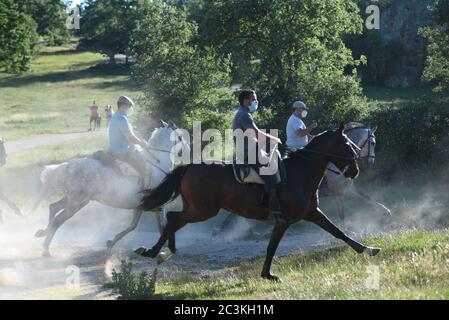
(331, 155)
(156, 165)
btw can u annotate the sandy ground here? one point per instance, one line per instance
(79, 250)
(48, 139)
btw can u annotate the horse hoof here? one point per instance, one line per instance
(144, 252)
(46, 254)
(271, 277)
(140, 251)
(109, 244)
(372, 251)
(40, 233)
(164, 256)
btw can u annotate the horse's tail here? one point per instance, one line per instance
(50, 178)
(164, 192)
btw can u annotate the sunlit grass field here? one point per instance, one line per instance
(57, 153)
(55, 95)
(396, 96)
(412, 265)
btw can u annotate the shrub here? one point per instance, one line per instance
(130, 286)
(410, 136)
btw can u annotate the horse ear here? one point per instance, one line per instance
(342, 128)
(172, 125)
(164, 124)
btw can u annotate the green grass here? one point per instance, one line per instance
(386, 95)
(56, 153)
(54, 96)
(411, 265)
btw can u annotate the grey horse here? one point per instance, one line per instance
(12, 205)
(86, 179)
(337, 185)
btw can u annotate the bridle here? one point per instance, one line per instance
(368, 140)
(157, 161)
(359, 150)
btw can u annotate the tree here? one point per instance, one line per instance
(180, 80)
(51, 18)
(287, 50)
(18, 37)
(437, 35)
(107, 25)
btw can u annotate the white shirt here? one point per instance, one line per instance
(293, 139)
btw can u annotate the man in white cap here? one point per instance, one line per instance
(122, 138)
(298, 135)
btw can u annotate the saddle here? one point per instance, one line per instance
(120, 167)
(245, 174)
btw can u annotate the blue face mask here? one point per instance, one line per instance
(253, 107)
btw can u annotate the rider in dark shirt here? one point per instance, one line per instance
(244, 121)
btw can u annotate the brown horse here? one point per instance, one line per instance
(205, 189)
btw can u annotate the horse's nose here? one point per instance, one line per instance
(371, 161)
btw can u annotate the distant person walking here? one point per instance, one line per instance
(109, 113)
(298, 134)
(94, 117)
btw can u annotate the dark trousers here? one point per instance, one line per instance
(270, 180)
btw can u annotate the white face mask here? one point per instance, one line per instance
(130, 111)
(304, 114)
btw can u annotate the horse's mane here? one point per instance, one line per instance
(298, 152)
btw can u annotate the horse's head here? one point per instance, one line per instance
(342, 152)
(365, 139)
(2, 152)
(167, 144)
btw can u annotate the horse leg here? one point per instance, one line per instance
(175, 221)
(170, 250)
(131, 227)
(158, 215)
(224, 225)
(340, 208)
(54, 208)
(42, 196)
(320, 219)
(371, 201)
(11, 204)
(57, 222)
(276, 236)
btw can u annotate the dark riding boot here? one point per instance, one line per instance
(270, 200)
(274, 214)
(282, 172)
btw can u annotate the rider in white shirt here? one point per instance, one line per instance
(298, 134)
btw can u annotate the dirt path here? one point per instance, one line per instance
(24, 274)
(48, 139)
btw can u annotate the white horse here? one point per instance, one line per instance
(85, 179)
(3, 156)
(338, 186)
